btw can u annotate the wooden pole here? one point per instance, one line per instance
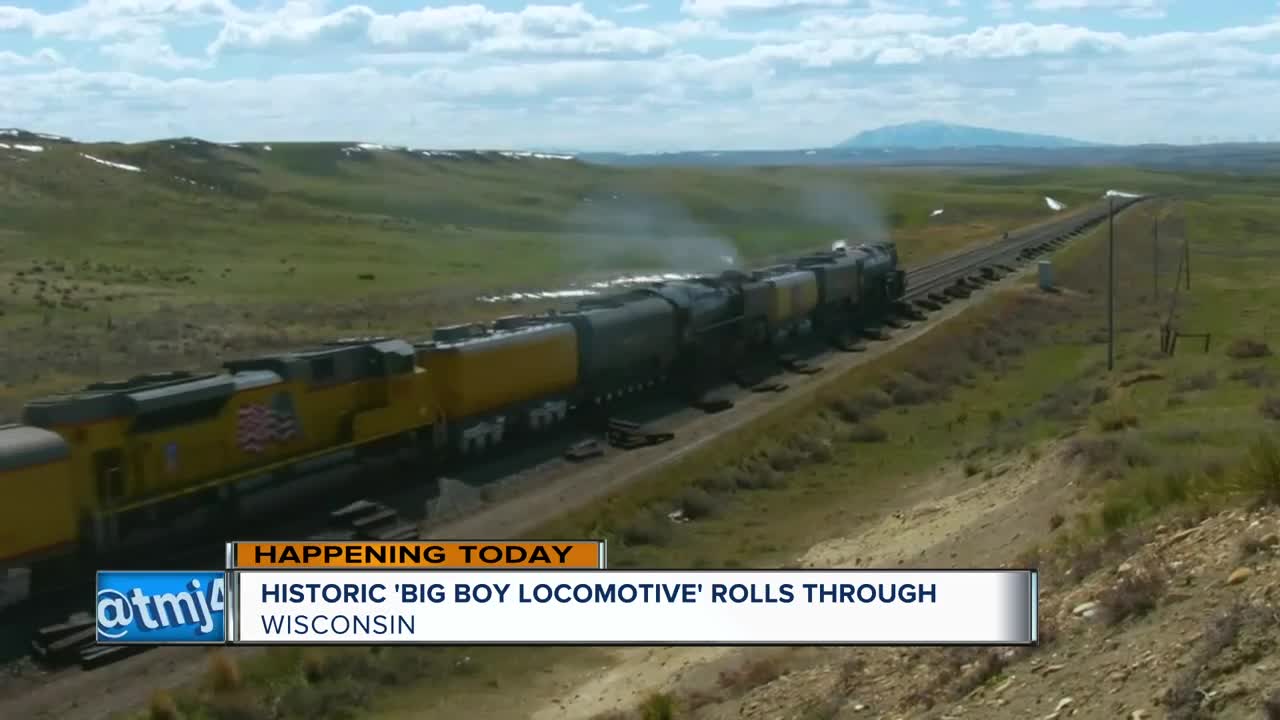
(1111, 283)
(1155, 258)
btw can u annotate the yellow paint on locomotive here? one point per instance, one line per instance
(258, 428)
(479, 376)
(39, 515)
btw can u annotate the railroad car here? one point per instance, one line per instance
(709, 318)
(625, 342)
(38, 517)
(516, 374)
(790, 301)
(175, 455)
(839, 278)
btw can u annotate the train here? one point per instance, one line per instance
(160, 459)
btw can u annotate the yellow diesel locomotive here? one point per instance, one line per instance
(118, 466)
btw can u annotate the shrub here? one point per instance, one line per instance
(810, 447)
(846, 409)
(1271, 707)
(658, 706)
(696, 504)
(1270, 407)
(751, 674)
(650, 527)
(1117, 512)
(1197, 381)
(1134, 594)
(162, 706)
(1262, 471)
(1254, 377)
(874, 400)
(784, 459)
(334, 699)
(241, 706)
(988, 665)
(1115, 419)
(907, 389)
(224, 672)
(757, 476)
(867, 433)
(1245, 348)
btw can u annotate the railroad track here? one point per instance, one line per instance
(71, 642)
(951, 277)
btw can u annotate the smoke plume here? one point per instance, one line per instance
(620, 229)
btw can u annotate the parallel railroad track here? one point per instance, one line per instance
(938, 281)
(71, 642)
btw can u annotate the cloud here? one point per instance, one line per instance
(726, 73)
(535, 30)
(1152, 9)
(42, 57)
(151, 51)
(727, 8)
(97, 19)
(633, 8)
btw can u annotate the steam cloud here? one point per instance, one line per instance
(857, 214)
(621, 229)
(617, 229)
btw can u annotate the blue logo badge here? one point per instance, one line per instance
(179, 607)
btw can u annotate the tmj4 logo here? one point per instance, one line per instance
(160, 607)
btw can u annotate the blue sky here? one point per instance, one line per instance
(638, 76)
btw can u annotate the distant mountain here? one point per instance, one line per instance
(936, 135)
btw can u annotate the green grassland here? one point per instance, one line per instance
(1157, 435)
(213, 250)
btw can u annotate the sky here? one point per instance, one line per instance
(638, 76)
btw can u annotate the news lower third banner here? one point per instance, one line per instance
(489, 593)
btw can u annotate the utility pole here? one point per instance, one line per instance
(1187, 255)
(1155, 257)
(1111, 282)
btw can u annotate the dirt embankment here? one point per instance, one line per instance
(1181, 623)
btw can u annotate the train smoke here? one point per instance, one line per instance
(619, 229)
(854, 214)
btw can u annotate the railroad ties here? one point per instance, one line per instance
(369, 520)
(628, 435)
(621, 434)
(73, 642)
(798, 366)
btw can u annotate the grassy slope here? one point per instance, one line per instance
(215, 251)
(1025, 369)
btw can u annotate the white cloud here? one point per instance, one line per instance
(97, 19)
(44, 56)
(633, 8)
(535, 30)
(1130, 8)
(726, 8)
(151, 51)
(726, 73)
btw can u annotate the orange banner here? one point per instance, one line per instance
(569, 554)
